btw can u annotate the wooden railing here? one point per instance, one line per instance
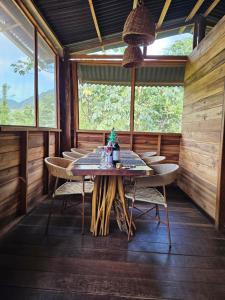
(167, 144)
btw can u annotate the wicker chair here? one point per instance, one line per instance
(60, 168)
(71, 155)
(148, 154)
(153, 160)
(80, 151)
(144, 190)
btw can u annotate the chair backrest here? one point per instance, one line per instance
(148, 154)
(80, 151)
(61, 168)
(164, 175)
(154, 159)
(71, 155)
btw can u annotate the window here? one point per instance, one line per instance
(17, 72)
(104, 97)
(16, 67)
(179, 44)
(158, 108)
(46, 85)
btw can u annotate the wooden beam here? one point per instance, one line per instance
(65, 105)
(199, 30)
(75, 99)
(95, 22)
(211, 7)
(133, 79)
(163, 13)
(118, 58)
(38, 21)
(135, 3)
(194, 10)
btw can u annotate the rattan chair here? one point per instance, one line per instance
(80, 151)
(154, 160)
(147, 154)
(59, 168)
(145, 190)
(71, 155)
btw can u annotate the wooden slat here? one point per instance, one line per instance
(163, 13)
(24, 171)
(194, 10)
(211, 7)
(200, 150)
(95, 22)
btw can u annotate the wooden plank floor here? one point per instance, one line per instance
(66, 265)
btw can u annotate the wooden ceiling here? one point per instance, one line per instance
(81, 23)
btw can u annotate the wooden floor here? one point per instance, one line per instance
(66, 265)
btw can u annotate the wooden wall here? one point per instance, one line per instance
(202, 120)
(22, 170)
(164, 144)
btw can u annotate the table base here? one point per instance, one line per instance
(108, 191)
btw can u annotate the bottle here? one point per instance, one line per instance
(116, 153)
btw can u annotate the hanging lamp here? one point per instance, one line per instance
(132, 57)
(139, 28)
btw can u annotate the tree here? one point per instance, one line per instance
(4, 108)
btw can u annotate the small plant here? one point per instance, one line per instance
(112, 137)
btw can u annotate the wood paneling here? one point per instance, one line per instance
(202, 120)
(163, 143)
(22, 174)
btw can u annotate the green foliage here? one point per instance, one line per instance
(25, 115)
(4, 109)
(112, 137)
(158, 109)
(47, 110)
(180, 47)
(22, 67)
(102, 107)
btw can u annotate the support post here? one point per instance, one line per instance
(133, 78)
(65, 104)
(199, 30)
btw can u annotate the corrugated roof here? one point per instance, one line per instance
(72, 22)
(160, 75)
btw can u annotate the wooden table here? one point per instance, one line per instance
(108, 188)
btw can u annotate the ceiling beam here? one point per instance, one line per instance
(95, 22)
(211, 7)
(163, 13)
(194, 10)
(135, 3)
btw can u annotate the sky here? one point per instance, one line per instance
(158, 47)
(21, 87)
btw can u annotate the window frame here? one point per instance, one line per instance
(132, 98)
(36, 31)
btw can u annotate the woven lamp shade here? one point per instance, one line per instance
(132, 57)
(139, 28)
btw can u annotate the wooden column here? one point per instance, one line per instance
(65, 104)
(24, 170)
(133, 78)
(199, 30)
(74, 104)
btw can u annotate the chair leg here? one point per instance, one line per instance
(130, 221)
(82, 226)
(49, 216)
(168, 226)
(157, 213)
